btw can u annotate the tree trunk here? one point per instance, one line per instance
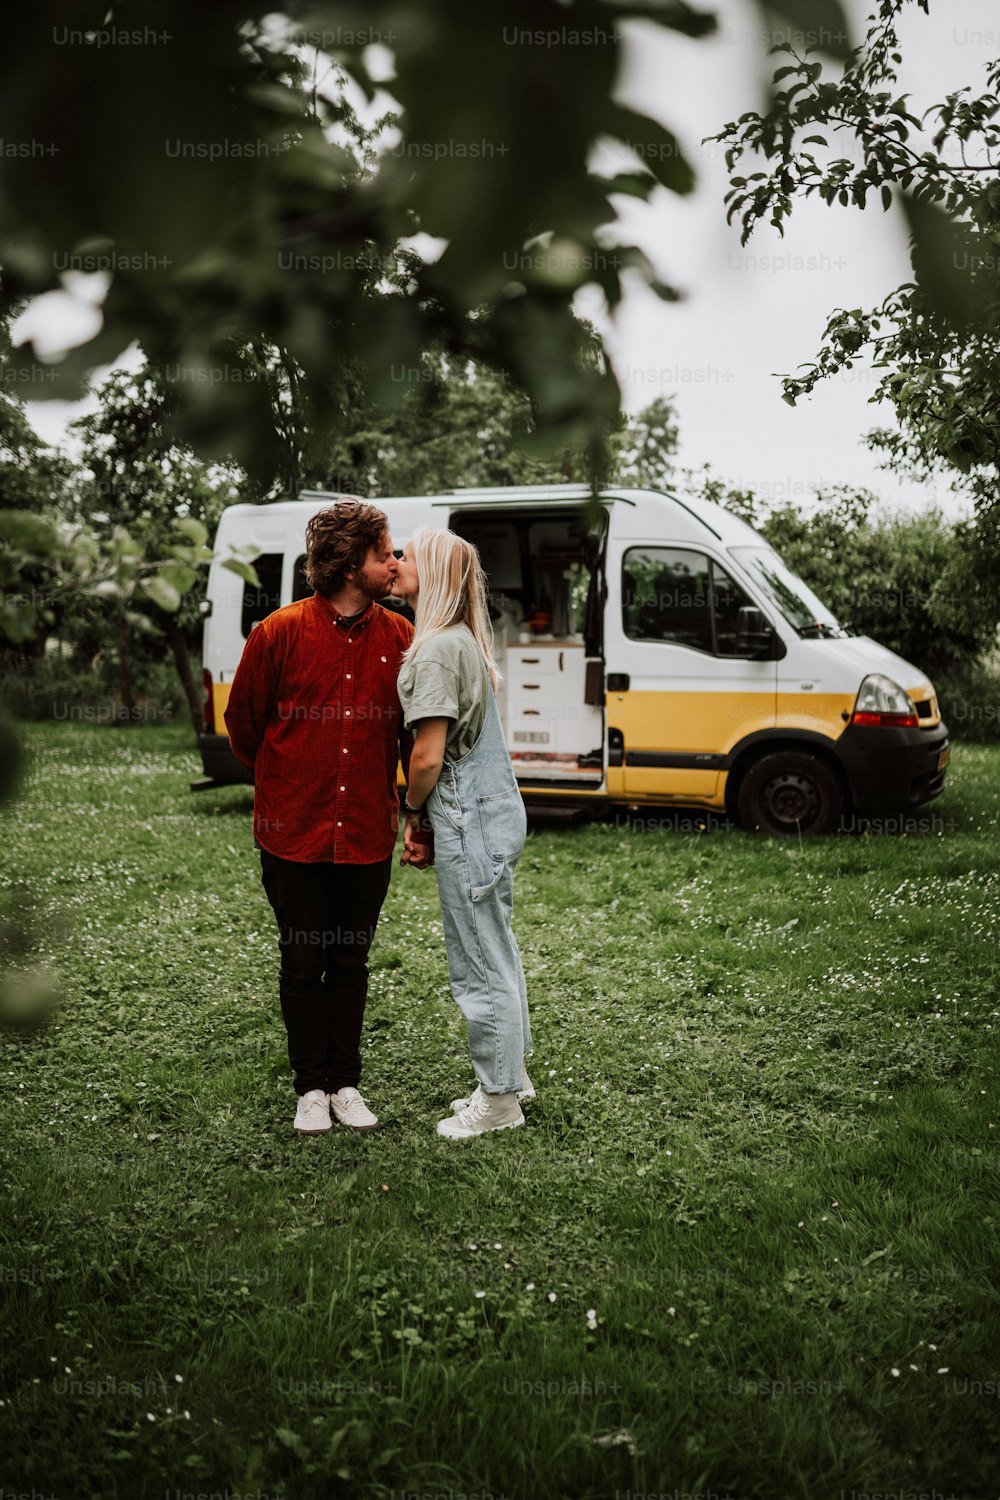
(182, 661)
(126, 694)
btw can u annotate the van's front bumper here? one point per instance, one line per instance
(219, 764)
(888, 769)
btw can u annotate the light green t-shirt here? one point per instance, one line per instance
(447, 679)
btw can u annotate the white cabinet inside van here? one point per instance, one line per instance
(544, 703)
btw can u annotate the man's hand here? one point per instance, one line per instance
(418, 842)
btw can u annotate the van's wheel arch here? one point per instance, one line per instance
(789, 790)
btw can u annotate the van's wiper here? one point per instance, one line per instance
(820, 630)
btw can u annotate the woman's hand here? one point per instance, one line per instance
(418, 842)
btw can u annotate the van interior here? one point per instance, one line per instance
(546, 601)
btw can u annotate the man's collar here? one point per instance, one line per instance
(345, 623)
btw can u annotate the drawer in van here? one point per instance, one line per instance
(531, 662)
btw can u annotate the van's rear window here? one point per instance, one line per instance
(300, 585)
(262, 601)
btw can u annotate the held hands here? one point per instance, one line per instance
(418, 842)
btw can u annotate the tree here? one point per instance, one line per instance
(136, 481)
(238, 208)
(459, 424)
(937, 338)
(645, 445)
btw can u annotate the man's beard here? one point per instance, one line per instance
(365, 584)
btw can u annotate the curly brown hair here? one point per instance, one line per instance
(338, 540)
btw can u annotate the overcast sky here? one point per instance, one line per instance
(747, 313)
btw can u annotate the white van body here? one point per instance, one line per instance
(658, 655)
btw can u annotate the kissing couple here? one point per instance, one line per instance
(330, 695)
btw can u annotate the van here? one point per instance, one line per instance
(655, 651)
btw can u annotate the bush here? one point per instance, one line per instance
(970, 702)
(55, 687)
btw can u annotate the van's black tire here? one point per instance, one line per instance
(790, 792)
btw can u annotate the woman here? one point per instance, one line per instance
(462, 781)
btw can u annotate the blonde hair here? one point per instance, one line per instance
(452, 592)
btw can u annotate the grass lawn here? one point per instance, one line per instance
(746, 1245)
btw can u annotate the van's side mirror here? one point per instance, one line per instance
(755, 638)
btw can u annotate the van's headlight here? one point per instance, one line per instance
(883, 703)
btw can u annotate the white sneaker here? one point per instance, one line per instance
(312, 1117)
(351, 1109)
(526, 1091)
(485, 1112)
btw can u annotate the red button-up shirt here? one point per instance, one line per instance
(314, 716)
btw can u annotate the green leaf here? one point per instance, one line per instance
(179, 575)
(292, 1441)
(162, 593)
(940, 255)
(656, 146)
(671, 13)
(243, 570)
(815, 25)
(196, 530)
(31, 535)
(635, 184)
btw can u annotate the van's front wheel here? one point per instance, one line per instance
(790, 792)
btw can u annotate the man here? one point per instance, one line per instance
(315, 717)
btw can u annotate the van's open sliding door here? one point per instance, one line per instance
(540, 564)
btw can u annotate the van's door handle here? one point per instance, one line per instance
(618, 682)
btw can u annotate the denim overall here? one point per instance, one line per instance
(479, 827)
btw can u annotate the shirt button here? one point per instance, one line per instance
(348, 676)
(343, 789)
(340, 825)
(345, 749)
(347, 713)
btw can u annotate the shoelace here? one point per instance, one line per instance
(351, 1106)
(477, 1109)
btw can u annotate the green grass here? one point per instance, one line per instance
(763, 1153)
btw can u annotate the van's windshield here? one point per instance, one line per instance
(796, 600)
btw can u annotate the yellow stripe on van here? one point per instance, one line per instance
(220, 702)
(682, 724)
(827, 714)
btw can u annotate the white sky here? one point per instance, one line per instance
(747, 313)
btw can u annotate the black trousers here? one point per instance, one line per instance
(327, 915)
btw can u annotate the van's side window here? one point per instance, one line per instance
(728, 599)
(300, 588)
(671, 594)
(258, 602)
